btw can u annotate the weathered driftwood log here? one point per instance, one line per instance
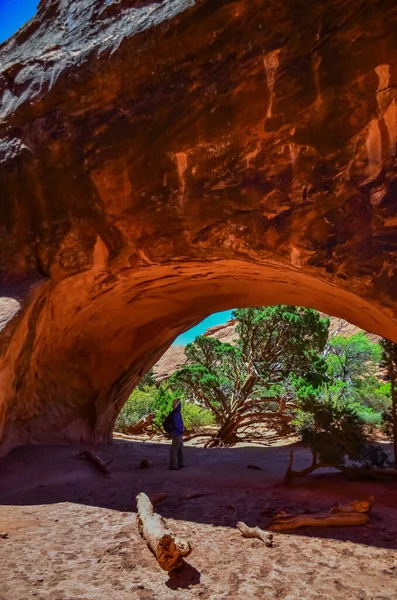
(289, 522)
(96, 460)
(165, 545)
(358, 506)
(255, 532)
(340, 515)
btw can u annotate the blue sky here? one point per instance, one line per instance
(13, 14)
(214, 319)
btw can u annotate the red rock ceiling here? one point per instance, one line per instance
(160, 161)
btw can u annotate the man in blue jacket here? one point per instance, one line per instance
(176, 452)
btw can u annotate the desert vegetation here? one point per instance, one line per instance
(284, 372)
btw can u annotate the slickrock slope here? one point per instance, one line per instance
(163, 160)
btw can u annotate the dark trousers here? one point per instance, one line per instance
(176, 452)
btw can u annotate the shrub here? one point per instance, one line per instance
(368, 416)
(139, 404)
(162, 404)
(331, 427)
(374, 394)
(195, 416)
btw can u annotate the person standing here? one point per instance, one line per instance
(176, 451)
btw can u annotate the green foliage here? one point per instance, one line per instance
(236, 382)
(389, 363)
(194, 416)
(147, 380)
(351, 359)
(368, 416)
(372, 393)
(331, 427)
(139, 404)
(159, 400)
(335, 429)
(162, 404)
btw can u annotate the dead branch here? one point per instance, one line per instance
(255, 532)
(96, 460)
(143, 425)
(168, 549)
(286, 522)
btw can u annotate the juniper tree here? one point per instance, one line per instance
(248, 382)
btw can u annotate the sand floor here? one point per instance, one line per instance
(72, 533)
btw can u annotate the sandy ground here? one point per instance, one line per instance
(72, 533)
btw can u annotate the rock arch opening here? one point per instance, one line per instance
(82, 345)
(164, 161)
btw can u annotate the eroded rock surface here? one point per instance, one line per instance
(162, 160)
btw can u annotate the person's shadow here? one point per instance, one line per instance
(183, 577)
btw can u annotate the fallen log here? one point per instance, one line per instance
(96, 460)
(168, 549)
(255, 532)
(358, 506)
(288, 522)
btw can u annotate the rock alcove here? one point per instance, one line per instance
(160, 161)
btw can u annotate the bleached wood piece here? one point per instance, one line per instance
(255, 532)
(168, 549)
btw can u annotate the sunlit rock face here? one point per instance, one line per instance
(161, 160)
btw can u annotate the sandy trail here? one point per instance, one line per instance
(72, 531)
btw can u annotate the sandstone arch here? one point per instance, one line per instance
(163, 160)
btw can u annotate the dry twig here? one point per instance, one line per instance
(255, 532)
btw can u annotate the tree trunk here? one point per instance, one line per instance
(165, 545)
(227, 434)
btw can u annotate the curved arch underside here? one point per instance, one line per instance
(162, 161)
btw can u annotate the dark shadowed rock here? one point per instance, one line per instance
(162, 160)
